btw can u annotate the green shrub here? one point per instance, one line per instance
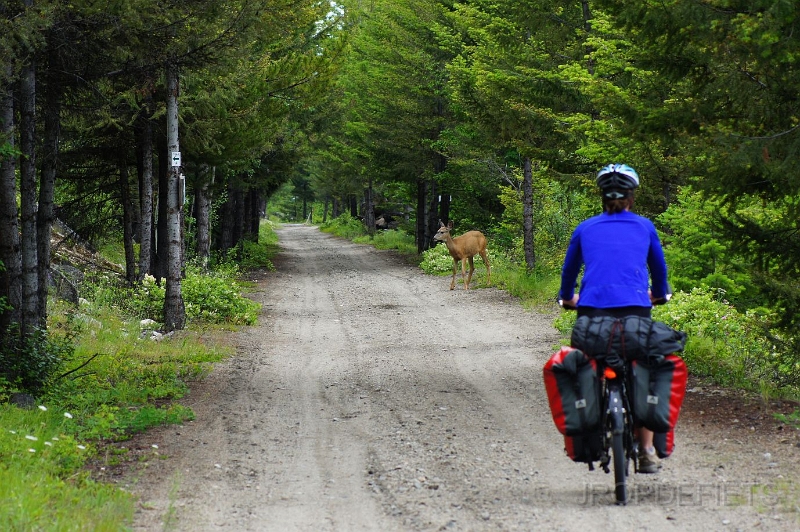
(28, 363)
(147, 300)
(724, 344)
(437, 261)
(215, 297)
(209, 296)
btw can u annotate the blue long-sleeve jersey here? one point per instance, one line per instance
(621, 252)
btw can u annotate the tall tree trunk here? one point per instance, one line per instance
(255, 214)
(353, 206)
(369, 209)
(444, 207)
(422, 194)
(527, 215)
(161, 236)
(11, 273)
(202, 207)
(45, 214)
(250, 216)
(31, 315)
(127, 222)
(437, 212)
(174, 309)
(145, 193)
(238, 217)
(431, 221)
(226, 224)
(305, 200)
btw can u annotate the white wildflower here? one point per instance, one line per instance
(32, 438)
(31, 450)
(43, 408)
(81, 447)
(67, 415)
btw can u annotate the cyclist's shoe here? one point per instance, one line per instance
(648, 461)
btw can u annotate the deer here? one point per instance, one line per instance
(463, 248)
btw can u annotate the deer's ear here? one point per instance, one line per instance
(450, 224)
(441, 224)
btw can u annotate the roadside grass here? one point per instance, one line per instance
(390, 239)
(42, 486)
(119, 377)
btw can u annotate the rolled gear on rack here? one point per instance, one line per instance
(632, 337)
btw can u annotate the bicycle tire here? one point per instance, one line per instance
(620, 469)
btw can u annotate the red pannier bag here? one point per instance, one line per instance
(657, 392)
(573, 391)
(664, 443)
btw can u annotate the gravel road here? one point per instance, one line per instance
(370, 397)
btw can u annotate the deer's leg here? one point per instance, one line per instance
(453, 280)
(488, 268)
(471, 269)
(464, 273)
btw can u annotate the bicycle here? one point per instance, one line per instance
(617, 427)
(619, 446)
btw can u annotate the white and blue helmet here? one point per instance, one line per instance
(617, 177)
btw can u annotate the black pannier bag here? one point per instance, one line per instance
(573, 390)
(586, 448)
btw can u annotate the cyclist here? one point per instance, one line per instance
(619, 250)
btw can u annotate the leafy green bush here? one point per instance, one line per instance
(723, 343)
(147, 300)
(437, 261)
(215, 297)
(28, 363)
(209, 296)
(692, 243)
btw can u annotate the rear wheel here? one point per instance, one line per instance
(620, 469)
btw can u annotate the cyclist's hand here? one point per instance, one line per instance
(570, 304)
(658, 300)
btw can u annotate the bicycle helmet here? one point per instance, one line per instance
(617, 177)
